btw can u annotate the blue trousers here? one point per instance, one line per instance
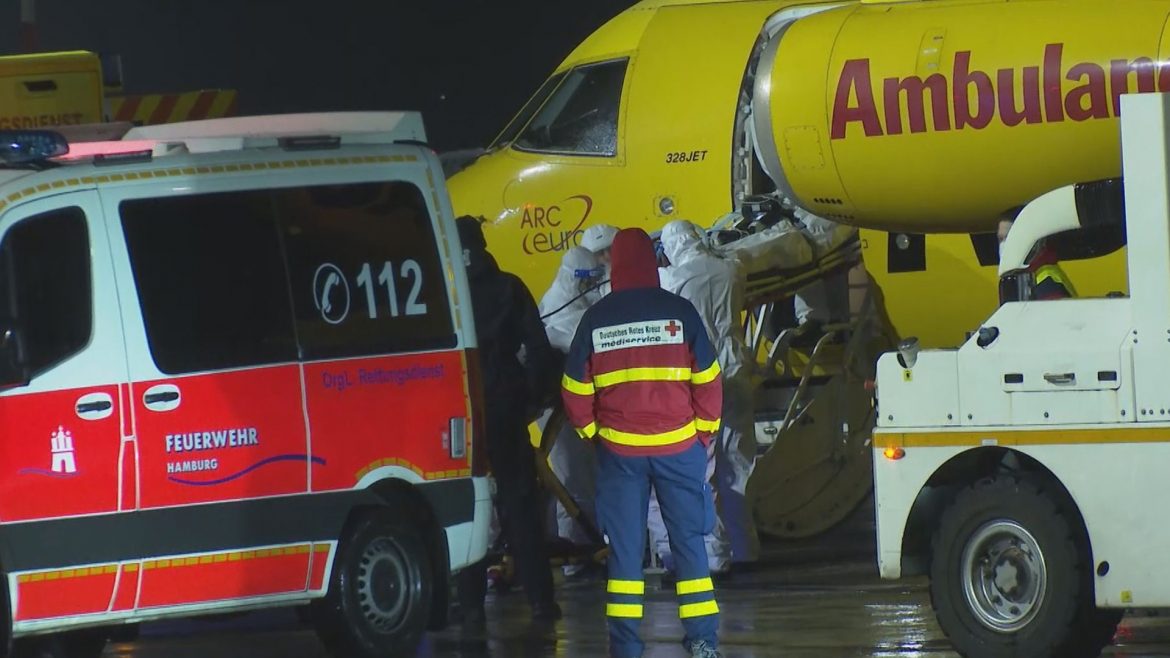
(623, 492)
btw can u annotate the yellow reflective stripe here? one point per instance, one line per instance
(647, 440)
(688, 610)
(641, 375)
(708, 426)
(694, 586)
(707, 376)
(626, 587)
(1045, 272)
(575, 387)
(588, 432)
(626, 610)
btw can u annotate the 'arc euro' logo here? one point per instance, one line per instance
(555, 227)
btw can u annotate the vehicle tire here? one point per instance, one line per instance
(1011, 576)
(380, 591)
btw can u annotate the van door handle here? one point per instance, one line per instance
(1060, 378)
(162, 397)
(95, 406)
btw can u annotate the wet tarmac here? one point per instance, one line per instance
(812, 600)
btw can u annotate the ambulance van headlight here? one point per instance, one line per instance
(20, 146)
(908, 352)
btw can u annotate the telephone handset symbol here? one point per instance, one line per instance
(329, 281)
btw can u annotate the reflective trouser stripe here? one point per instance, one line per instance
(694, 586)
(688, 610)
(625, 610)
(636, 587)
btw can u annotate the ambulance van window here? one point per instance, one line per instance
(365, 270)
(211, 281)
(47, 293)
(581, 117)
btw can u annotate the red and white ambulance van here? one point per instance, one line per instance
(237, 370)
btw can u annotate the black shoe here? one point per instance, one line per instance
(700, 649)
(547, 612)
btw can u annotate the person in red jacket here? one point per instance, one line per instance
(642, 381)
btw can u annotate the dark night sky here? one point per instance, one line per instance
(299, 55)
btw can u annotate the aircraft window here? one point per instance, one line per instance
(525, 115)
(581, 116)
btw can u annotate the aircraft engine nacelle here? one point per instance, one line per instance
(938, 117)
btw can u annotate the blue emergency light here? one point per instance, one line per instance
(24, 146)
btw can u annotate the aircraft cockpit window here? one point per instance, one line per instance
(525, 114)
(581, 116)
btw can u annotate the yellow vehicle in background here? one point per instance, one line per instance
(74, 88)
(51, 89)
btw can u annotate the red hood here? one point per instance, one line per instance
(1045, 255)
(634, 264)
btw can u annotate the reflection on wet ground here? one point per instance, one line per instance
(814, 600)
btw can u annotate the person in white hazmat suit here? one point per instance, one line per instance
(598, 239)
(825, 300)
(715, 285)
(572, 459)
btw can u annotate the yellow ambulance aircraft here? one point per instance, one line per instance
(920, 122)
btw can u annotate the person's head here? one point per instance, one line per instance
(679, 238)
(633, 260)
(580, 267)
(470, 233)
(1005, 225)
(599, 239)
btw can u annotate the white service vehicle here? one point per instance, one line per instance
(1026, 471)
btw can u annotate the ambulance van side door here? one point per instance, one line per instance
(216, 390)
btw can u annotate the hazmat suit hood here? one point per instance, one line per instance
(715, 285)
(682, 241)
(634, 265)
(598, 237)
(563, 304)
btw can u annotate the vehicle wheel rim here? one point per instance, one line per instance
(1004, 576)
(384, 585)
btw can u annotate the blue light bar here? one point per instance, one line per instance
(22, 146)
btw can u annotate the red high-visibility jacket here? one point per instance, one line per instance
(642, 375)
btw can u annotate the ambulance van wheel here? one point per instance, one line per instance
(380, 591)
(1010, 576)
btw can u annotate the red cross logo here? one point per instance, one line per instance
(673, 328)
